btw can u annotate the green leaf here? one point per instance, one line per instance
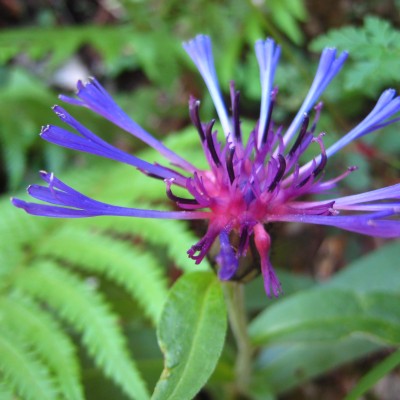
(139, 273)
(353, 304)
(318, 329)
(286, 365)
(373, 376)
(286, 14)
(191, 335)
(38, 42)
(89, 314)
(22, 371)
(375, 49)
(330, 314)
(6, 393)
(40, 331)
(256, 299)
(373, 273)
(172, 235)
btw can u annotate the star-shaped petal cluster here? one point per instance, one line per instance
(249, 183)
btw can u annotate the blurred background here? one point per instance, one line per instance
(134, 48)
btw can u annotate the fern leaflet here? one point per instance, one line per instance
(172, 235)
(24, 373)
(375, 47)
(88, 313)
(44, 335)
(138, 272)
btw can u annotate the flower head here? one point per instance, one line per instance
(249, 183)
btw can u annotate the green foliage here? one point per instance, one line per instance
(23, 95)
(285, 366)
(140, 42)
(374, 49)
(23, 371)
(287, 14)
(191, 334)
(88, 313)
(336, 314)
(81, 300)
(373, 376)
(63, 42)
(49, 270)
(49, 342)
(97, 253)
(322, 327)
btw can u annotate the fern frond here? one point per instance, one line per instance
(39, 42)
(17, 227)
(139, 273)
(174, 236)
(375, 48)
(88, 313)
(120, 185)
(16, 230)
(43, 334)
(24, 373)
(6, 393)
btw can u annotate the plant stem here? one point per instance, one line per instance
(234, 295)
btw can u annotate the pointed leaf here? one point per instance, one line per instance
(363, 300)
(374, 375)
(191, 334)
(287, 365)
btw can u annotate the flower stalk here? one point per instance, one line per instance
(234, 296)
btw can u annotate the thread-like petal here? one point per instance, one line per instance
(200, 51)
(93, 96)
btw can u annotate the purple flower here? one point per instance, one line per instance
(248, 183)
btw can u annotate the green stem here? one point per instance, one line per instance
(234, 295)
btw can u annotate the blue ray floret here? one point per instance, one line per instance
(248, 184)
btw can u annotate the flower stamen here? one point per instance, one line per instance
(268, 120)
(210, 143)
(229, 163)
(279, 173)
(235, 97)
(194, 106)
(302, 134)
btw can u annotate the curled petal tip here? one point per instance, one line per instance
(60, 112)
(17, 202)
(44, 129)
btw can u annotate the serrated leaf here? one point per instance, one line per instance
(6, 393)
(286, 14)
(38, 42)
(191, 334)
(41, 332)
(375, 50)
(139, 273)
(23, 371)
(172, 235)
(17, 228)
(88, 313)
